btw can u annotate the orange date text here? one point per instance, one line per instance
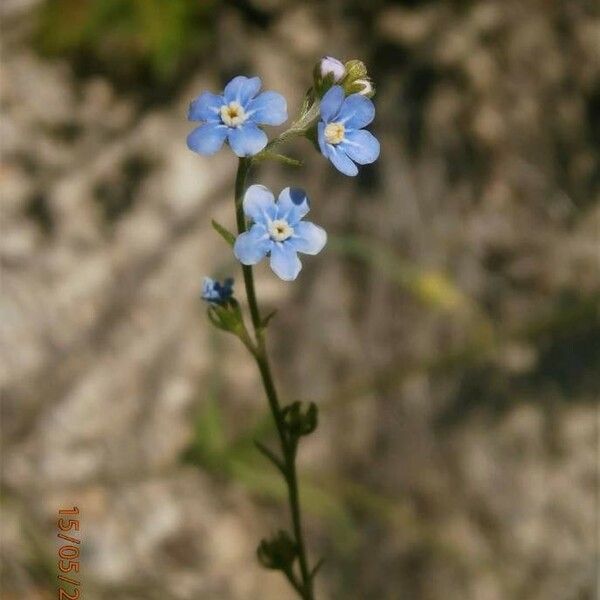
(69, 548)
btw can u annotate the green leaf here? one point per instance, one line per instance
(316, 568)
(282, 158)
(265, 322)
(224, 233)
(270, 455)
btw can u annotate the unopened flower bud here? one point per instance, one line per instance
(357, 80)
(327, 72)
(363, 87)
(355, 69)
(278, 552)
(300, 418)
(332, 66)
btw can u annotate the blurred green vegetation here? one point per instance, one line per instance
(564, 339)
(133, 42)
(430, 287)
(339, 501)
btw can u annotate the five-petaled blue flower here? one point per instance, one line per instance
(216, 292)
(235, 116)
(341, 137)
(278, 231)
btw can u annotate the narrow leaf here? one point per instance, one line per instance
(214, 318)
(316, 568)
(265, 322)
(270, 455)
(224, 233)
(282, 158)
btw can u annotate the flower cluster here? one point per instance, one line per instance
(336, 111)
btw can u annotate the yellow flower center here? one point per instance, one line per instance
(280, 230)
(334, 133)
(233, 114)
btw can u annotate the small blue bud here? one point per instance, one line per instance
(216, 292)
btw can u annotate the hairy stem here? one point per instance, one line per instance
(288, 447)
(298, 129)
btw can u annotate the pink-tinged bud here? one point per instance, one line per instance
(332, 66)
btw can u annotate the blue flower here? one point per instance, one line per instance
(341, 137)
(216, 292)
(278, 231)
(235, 115)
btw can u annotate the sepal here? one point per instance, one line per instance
(322, 84)
(312, 136)
(228, 317)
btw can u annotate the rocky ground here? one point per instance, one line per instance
(449, 333)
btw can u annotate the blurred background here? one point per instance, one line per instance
(449, 333)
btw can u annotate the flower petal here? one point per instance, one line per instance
(308, 238)
(247, 139)
(331, 103)
(252, 246)
(207, 288)
(361, 146)
(268, 108)
(357, 111)
(241, 89)
(292, 205)
(341, 161)
(259, 204)
(284, 261)
(205, 107)
(207, 139)
(321, 139)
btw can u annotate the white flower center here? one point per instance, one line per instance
(334, 133)
(280, 230)
(233, 114)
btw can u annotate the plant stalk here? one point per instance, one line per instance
(288, 446)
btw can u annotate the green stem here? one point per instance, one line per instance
(240, 183)
(298, 129)
(288, 447)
